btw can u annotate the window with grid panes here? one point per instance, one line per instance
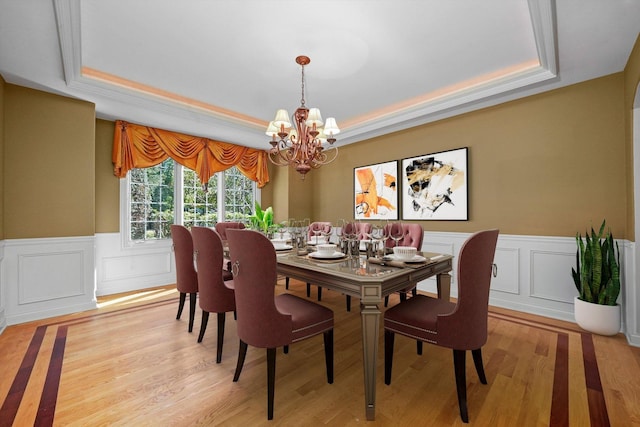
(153, 200)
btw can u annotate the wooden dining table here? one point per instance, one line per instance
(369, 281)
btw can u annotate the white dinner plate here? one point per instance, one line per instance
(284, 248)
(334, 255)
(416, 258)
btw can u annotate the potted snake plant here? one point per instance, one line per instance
(597, 279)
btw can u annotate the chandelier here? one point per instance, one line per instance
(304, 145)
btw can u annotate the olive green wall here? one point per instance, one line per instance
(631, 81)
(107, 184)
(2, 85)
(550, 164)
(49, 166)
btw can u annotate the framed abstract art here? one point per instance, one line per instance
(435, 186)
(376, 191)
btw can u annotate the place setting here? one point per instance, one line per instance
(327, 252)
(402, 256)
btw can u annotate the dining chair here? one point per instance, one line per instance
(266, 320)
(216, 293)
(413, 235)
(460, 326)
(221, 229)
(186, 277)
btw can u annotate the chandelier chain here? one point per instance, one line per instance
(302, 85)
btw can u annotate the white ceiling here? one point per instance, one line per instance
(220, 69)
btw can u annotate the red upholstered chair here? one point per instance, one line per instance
(265, 320)
(186, 277)
(221, 229)
(413, 236)
(460, 326)
(363, 229)
(216, 294)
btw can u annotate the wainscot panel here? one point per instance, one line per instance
(534, 276)
(47, 277)
(124, 269)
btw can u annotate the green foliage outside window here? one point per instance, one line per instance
(152, 202)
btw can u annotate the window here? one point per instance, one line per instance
(168, 194)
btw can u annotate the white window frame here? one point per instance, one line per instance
(125, 208)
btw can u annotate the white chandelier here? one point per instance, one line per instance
(303, 147)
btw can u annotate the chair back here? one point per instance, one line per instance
(214, 296)
(413, 235)
(465, 328)
(253, 263)
(186, 278)
(222, 227)
(363, 228)
(318, 226)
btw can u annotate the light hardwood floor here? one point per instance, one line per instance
(131, 363)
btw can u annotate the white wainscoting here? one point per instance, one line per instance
(123, 269)
(3, 317)
(47, 277)
(534, 276)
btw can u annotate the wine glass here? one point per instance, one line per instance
(340, 223)
(325, 231)
(396, 232)
(316, 230)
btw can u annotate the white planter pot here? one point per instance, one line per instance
(597, 318)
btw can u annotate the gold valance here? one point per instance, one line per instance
(136, 146)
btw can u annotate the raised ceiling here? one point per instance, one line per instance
(221, 69)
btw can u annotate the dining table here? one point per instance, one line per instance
(370, 280)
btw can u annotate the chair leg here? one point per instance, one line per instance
(271, 380)
(286, 283)
(348, 302)
(183, 298)
(414, 291)
(477, 360)
(235, 315)
(192, 309)
(419, 347)
(328, 354)
(308, 290)
(459, 357)
(403, 296)
(319, 293)
(221, 319)
(203, 324)
(242, 352)
(386, 301)
(388, 355)
(285, 349)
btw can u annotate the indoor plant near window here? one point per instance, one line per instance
(262, 220)
(597, 279)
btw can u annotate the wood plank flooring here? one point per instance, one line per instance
(131, 363)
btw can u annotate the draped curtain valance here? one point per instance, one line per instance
(136, 146)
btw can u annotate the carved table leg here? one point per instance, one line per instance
(370, 334)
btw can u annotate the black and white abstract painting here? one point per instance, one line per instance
(435, 186)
